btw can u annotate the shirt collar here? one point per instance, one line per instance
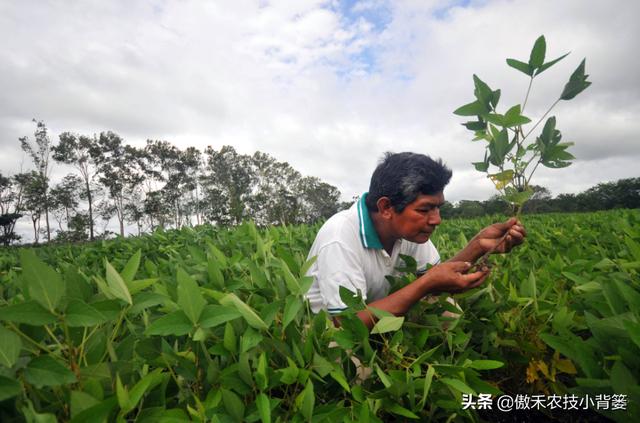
(368, 235)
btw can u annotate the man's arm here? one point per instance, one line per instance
(445, 277)
(490, 238)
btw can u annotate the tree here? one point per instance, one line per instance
(119, 170)
(34, 186)
(227, 184)
(10, 208)
(40, 156)
(76, 150)
(319, 200)
(64, 198)
(178, 170)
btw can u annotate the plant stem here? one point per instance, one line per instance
(482, 261)
(541, 119)
(526, 97)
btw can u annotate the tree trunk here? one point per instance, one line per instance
(35, 231)
(46, 218)
(90, 209)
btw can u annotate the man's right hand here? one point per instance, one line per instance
(452, 277)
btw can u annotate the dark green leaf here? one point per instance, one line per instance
(486, 364)
(482, 92)
(46, 371)
(521, 66)
(215, 315)
(577, 83)
(458, 385)
(291, 309)
(81, 314)
(264, 408)
(176, 323)
(29, 312)
(9, 388)
(536, 58)
(549, 64)
(388, 324)
(131, 268)
(190, 298)
(472, 109)
(245, 310)
(10, 346)
(43, 283)
(116, 285)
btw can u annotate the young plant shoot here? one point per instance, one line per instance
(512, 156)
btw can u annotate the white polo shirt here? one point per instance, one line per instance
(350, 254)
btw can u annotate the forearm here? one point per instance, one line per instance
(470, 253)
(399, 302)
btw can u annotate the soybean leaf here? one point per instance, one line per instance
(229, 340)
(176, 323)
(291, 309)
(29, 312)
(46, 371)
(264, 408)
(514, 118)
(292, 283)
(81, 314)
(549, 64)
(458, 385)
(43, 283)
(80, 401)
(147, 383)
(233, 404)
(536, 58)
(247, 312)
(10, 346)
(471, 109)
(190, 298)
(97, 413)
(131, 268)
(9, 388)
(486, 364)
(427, 385)
(306, 400)
(215, 315)
(482, 92)
(577, 83)
(395, 408)
(116, 284)
(388, 324)
(521, 66)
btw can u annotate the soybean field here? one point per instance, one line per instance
(209, 324)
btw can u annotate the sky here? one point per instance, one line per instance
(327, 86)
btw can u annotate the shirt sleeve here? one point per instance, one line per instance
(339, 266)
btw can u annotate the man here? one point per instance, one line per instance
(358, 247)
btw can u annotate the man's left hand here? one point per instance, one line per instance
(490, 238)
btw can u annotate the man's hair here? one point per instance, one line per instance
(402, 177)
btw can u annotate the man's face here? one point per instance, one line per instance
(419, 219)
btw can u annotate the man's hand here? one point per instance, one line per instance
(490, 238)
(451, 277)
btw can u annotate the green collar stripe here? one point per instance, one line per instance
(368, 234)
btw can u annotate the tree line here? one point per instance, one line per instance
(624, 193)
(157, 186)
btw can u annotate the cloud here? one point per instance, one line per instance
(326, 85)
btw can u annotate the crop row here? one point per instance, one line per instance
(210, 324)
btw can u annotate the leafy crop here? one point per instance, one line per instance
(210, 324)
(509, 160)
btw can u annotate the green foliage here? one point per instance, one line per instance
(515, 161)
(217, 328)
